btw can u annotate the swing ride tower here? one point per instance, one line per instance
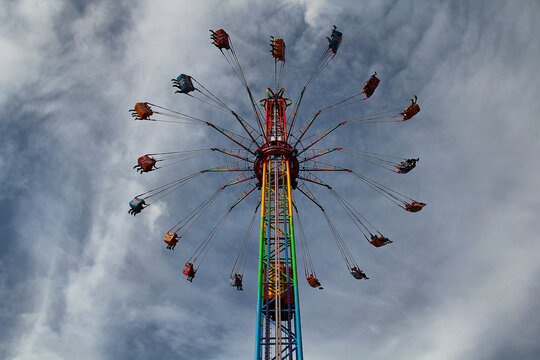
(274, 156)
(278, 334)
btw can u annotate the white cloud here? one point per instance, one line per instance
(96, 283)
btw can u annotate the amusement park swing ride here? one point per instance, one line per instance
(275, 158)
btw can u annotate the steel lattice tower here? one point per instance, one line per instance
(278, 333)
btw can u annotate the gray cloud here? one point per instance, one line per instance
(80, 279)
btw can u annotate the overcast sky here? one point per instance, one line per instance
(81, 279)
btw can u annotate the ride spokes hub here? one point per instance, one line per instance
(277, 150)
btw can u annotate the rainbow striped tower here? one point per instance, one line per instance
(278, 314)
